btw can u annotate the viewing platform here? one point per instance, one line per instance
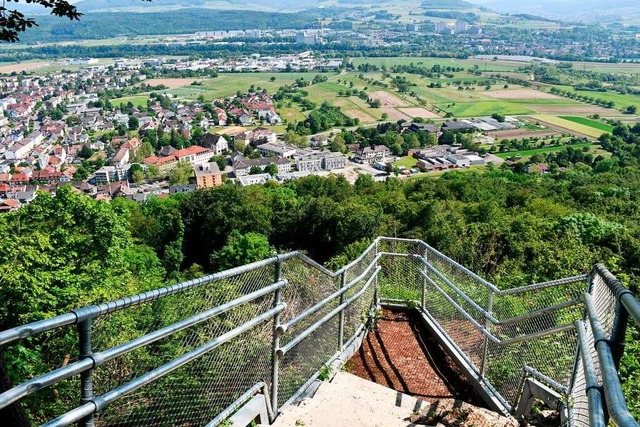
(402, 335)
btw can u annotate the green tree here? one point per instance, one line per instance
(271, 169)
(64, 251)
(255, 170)
(242, 249)
(181, 174)
(338, 144)
(296, 140)
(134, 124)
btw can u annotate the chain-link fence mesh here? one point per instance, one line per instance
(605, 310)
(307, 287)
(497, 332)
(195, 393)
(25, 359)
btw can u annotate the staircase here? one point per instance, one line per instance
(245, 343)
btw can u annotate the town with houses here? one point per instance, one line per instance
(52, 135)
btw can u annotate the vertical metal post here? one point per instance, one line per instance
(424, 279)
(86, 377)
(275, 360)
(487, 325)
(376, 297)
(343, 283)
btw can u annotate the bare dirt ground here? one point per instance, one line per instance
(171, 83)
(571, 110)
(522, 133)
(357, 114)
(387, 99)
(231, 130)
(24, 66)
(520, 94)
(419, 112)
(402, 355)
(395, 114)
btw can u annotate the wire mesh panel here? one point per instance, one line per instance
(605, 308)
(307, 287)
(37, 355)
(198, 391)
(551, 355)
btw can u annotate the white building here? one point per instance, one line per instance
(279, 150)
(107, 174)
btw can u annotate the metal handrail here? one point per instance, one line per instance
(97, 359)
(283, 328)
(484, 330)
(295, 341)
(616, 404)
(98, 403)
(593, 389)
(76, 316)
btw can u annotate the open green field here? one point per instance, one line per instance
(544, 150)
(407, 161)
(588, 122)
(229, 83)
(483, 108)
(446, 62)
(621, 101)
(606, 67)
(135, 100)
(439, 174)
(473, 100)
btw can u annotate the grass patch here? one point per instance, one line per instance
(483, 108)
(588, 122)
(543, 150)
(446, 62)
(407, 161)
(135, 100)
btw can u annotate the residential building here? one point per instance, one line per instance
(370, 155)
(194, 155)
(309, 163)
(208, 175)
(461, 27)
(243, 167)
(109, 174)
(218, 144)
(256, 179)
(332, 161)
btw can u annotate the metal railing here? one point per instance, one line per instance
(195, 352)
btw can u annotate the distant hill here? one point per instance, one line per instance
(90, 6)
(568, 10)
(107, 25)
(446, 4)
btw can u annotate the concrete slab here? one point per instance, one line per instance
(349, 400)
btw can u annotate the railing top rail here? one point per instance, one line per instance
(615, 400)
(76, 316)
(624, 295)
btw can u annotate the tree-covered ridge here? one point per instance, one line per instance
(107, 25)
